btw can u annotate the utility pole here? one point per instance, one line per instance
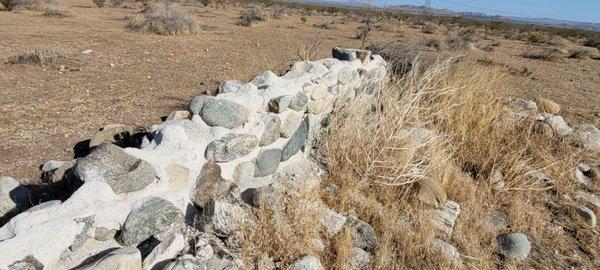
(428, 3)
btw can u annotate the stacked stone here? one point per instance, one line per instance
(246, 136)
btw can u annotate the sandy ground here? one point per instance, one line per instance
(136, 78)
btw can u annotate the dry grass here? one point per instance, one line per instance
(10, 5)
(310, 50)
(55, 13)
(162, 20)
(40, 57)
(447, 122)
(251, 16)
(99, 3)
(581, 53)
(548, 54)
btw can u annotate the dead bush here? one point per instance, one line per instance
(10, 5)
(311, 49)
(548, 54)
(439, 45)
(592, 42)
(164, 20)
(279, 12)
(251, 16)
(55, 13)
(459, 43)
(99, 3)
(51, 58)
(429, 28)
(117, 3)
(581, 53)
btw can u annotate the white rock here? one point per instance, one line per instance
(127, 258)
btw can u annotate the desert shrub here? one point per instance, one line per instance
(10, 5)
(117, 2)
(435, 43)
(99, 3)
(55, 13)
(50, 58)
(537, 37)
(303, 19)
(580, 53)
(250, 16)
(279, 12)
(548, 54)
(592, 42)
(206, 2)
(429, 28)
(458, 43)
(167, 20)
(324, 26)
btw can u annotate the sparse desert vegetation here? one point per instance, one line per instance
(487, 126)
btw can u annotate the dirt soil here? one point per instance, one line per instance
(137, 77)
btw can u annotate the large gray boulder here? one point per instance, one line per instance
(514, 245)
(148, 217)
(223, 113)
(14, 198)
(121, 171)
(127, 258)
(230, 147)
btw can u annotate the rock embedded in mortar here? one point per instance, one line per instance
(267, 162)
(279, 104)
(148, 217)
(270, 133)
(223, 113)
(121, 171)
(198, 102)
(126, 258)
(230, 147)
(298, 102)
(290, 123)
(347, 75)
(296, 142)
(230, 86)
(185, 262)
(166, 250)
(210, 185)
(587, 136)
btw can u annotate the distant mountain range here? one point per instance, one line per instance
(472, 15)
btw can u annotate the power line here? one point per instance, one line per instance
(481, 8)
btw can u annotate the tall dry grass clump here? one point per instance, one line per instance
(449, 123)
(163, 20)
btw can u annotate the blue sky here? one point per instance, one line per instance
(573, 10)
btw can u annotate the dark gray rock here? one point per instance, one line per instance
(149, 217)
(223, 113)
(363, 235)
(230, 147)
(346, 54)
(298, 102)
(271, 132)
(514, 245)
(296, 142)
(121, 171)
(210, 185)
(267, 162)
(264, 79)
(197, 103)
